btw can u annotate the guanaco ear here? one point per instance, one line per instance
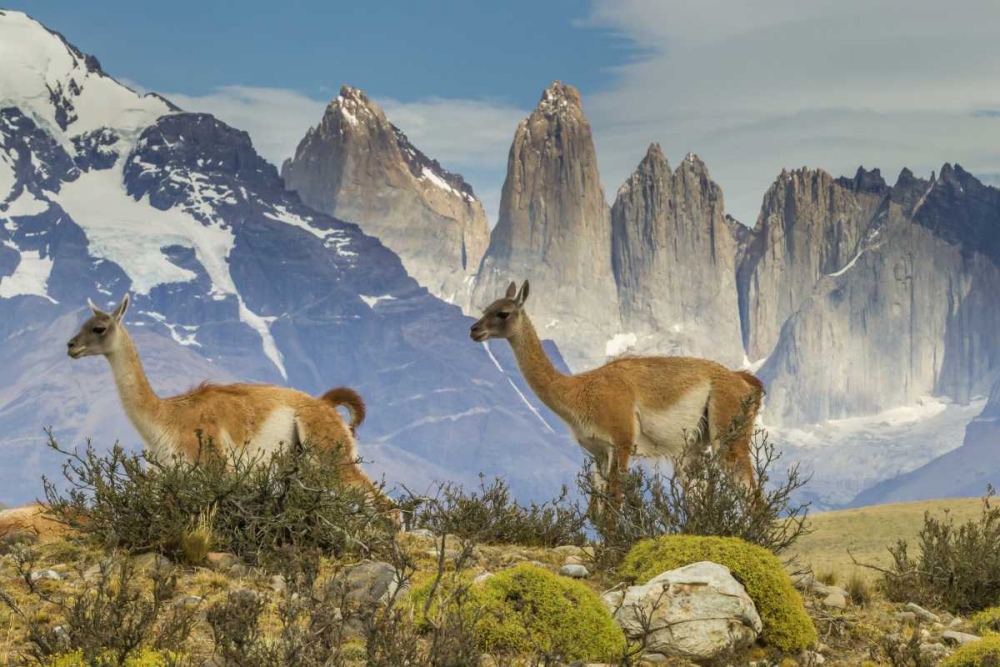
(94, 308)
(121, 309)
(523, 294)
(511, 290)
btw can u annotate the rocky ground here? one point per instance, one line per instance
(863, 630)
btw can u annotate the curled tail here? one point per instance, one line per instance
(351, 400)
(753, 381)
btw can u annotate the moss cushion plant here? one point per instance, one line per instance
(786, 625)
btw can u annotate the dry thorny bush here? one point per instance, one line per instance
(957, 567)
(109, 621)
(492, 516)
(699, 497)
(254, 504)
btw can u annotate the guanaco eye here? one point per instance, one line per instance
(503, 315)
(99, 330)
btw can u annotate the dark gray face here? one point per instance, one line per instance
(98, 335)
(502, 318)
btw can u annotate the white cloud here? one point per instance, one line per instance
(753, 87)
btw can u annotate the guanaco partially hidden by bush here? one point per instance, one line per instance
(236, 502)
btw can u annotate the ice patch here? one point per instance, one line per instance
(133, 233)
(524, 398)
(7, 178)
(372, 300)
(620, 343)
(752, 366)
(336, 239)
(31, 277)
(848, 266)
(262, 325)
(847, 456)
(186, 334)
(25, 205)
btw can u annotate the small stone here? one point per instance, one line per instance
(958, 638)
(935, 651)
(190, 601)
(835, 601)
(803, 581)
(51, 575)
(956, 622)
(905, 617)
(222, 561)
(150, 562)
(923, 613)
(574, 571)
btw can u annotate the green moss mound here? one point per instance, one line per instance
(987, 620)
(527, 610)
(786, 625)
(984, 653)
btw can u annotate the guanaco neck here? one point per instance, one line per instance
(143, 407)
(542, 376)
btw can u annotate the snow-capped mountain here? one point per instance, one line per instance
(104, 191)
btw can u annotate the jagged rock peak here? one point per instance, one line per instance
(559, 98)
(865, 181)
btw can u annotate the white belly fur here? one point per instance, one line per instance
(664, 432)
(277, 430)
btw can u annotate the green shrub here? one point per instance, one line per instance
(529, 611)
(491, 516)
(987, 620)
(984, 653)
(248, 505)
(957, 566)
(786, 624)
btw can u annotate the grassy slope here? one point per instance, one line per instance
(867, 532)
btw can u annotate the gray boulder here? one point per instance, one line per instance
(697, 612)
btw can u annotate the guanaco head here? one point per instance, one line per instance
(99, 334)
(503, 317)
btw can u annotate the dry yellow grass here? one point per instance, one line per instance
(868, 531)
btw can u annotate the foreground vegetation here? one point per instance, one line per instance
(274, 562)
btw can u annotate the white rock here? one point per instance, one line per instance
(574, 571)
(960, 638)
(697, 612)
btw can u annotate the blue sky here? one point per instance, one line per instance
(750, 87)
(394, 48)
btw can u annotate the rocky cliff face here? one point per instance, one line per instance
(554, 229)
(358, 166)
(912, 313)
(809, 226)
(674, 253)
